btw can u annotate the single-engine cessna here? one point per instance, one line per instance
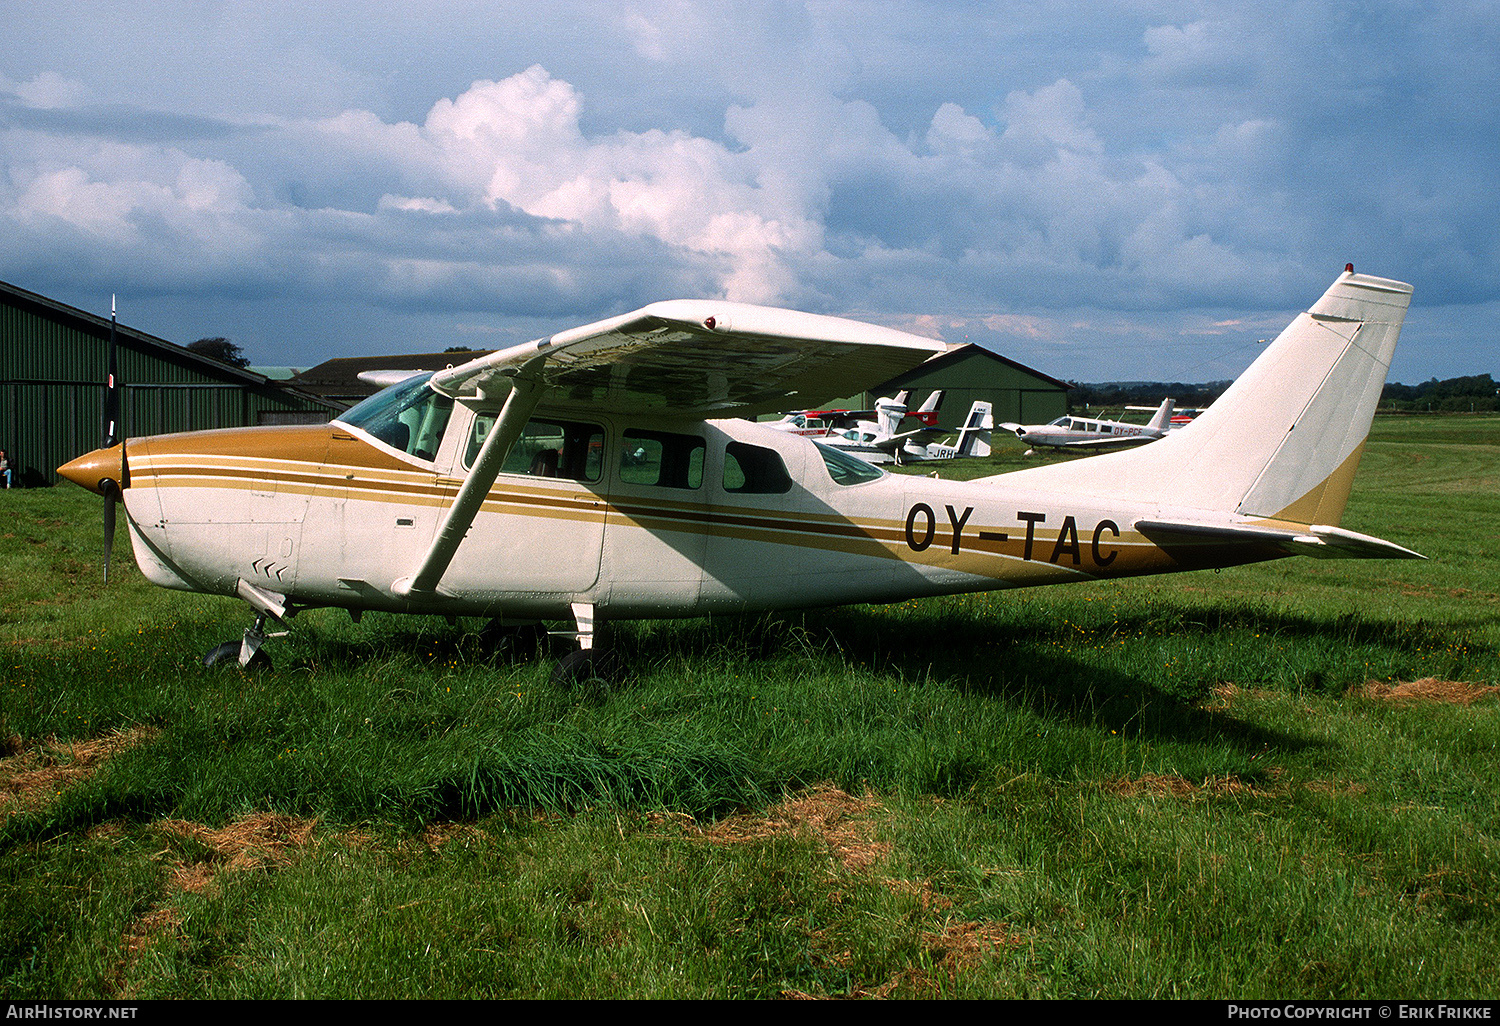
(1075, 432)
(590, 476)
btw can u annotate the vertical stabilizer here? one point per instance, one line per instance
(934, 402)
(1283, 442)
(974, 436)
(888, 414)
(1161, 420)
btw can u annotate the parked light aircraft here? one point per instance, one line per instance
(817, 423)
(1075, 432)
(881, 440)
(587, 477)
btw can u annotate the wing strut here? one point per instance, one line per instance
(526, 391)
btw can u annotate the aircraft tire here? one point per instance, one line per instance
(583, 665)
(229, 652)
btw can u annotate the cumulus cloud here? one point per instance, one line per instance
(46, 91)
(980, 177)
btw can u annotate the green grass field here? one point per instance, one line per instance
(1272, 782)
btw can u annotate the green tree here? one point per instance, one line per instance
(220, 349)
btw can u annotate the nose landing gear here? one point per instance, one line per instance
(247, 651)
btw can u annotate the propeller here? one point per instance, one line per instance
(114, 434)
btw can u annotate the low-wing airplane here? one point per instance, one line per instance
(588, 477)
(1075, 432)
(817, 423)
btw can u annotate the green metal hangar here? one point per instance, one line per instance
(53, 363)
(968, 373)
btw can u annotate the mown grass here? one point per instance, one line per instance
(1175, 786)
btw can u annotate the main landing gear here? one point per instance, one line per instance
(588, 661)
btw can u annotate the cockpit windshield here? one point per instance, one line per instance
(408, 416)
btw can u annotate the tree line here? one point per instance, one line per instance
(1476, 392)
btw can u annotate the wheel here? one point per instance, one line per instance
(229, 652)
(585, 664)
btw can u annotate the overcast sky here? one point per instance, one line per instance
(1103, 191)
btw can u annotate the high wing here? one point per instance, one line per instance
(681, 358)
(386, 378)
(698, 358)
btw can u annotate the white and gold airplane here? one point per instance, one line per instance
(591, 476)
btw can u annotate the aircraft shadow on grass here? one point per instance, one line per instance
(1001, 657)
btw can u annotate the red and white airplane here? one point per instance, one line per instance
(606, 473)
(817, 423)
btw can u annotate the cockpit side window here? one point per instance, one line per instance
(846, 469)
(409, 417)
(546, 448)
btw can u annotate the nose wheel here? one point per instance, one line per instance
(247, 651)
(230, 652)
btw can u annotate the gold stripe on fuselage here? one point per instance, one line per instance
(993, 551)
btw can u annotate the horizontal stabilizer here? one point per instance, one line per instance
(1319, 541)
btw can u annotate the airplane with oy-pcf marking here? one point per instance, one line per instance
(1079, 432)
(605, 473)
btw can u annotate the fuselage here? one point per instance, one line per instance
(1082, 431)
(639, 518)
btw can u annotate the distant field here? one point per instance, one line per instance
(1276, 781)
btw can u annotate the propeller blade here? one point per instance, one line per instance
(113, 428)
(111, 496)
(114, 434)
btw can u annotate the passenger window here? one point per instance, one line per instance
(546, 448)
(662, 458)
(750, 469)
